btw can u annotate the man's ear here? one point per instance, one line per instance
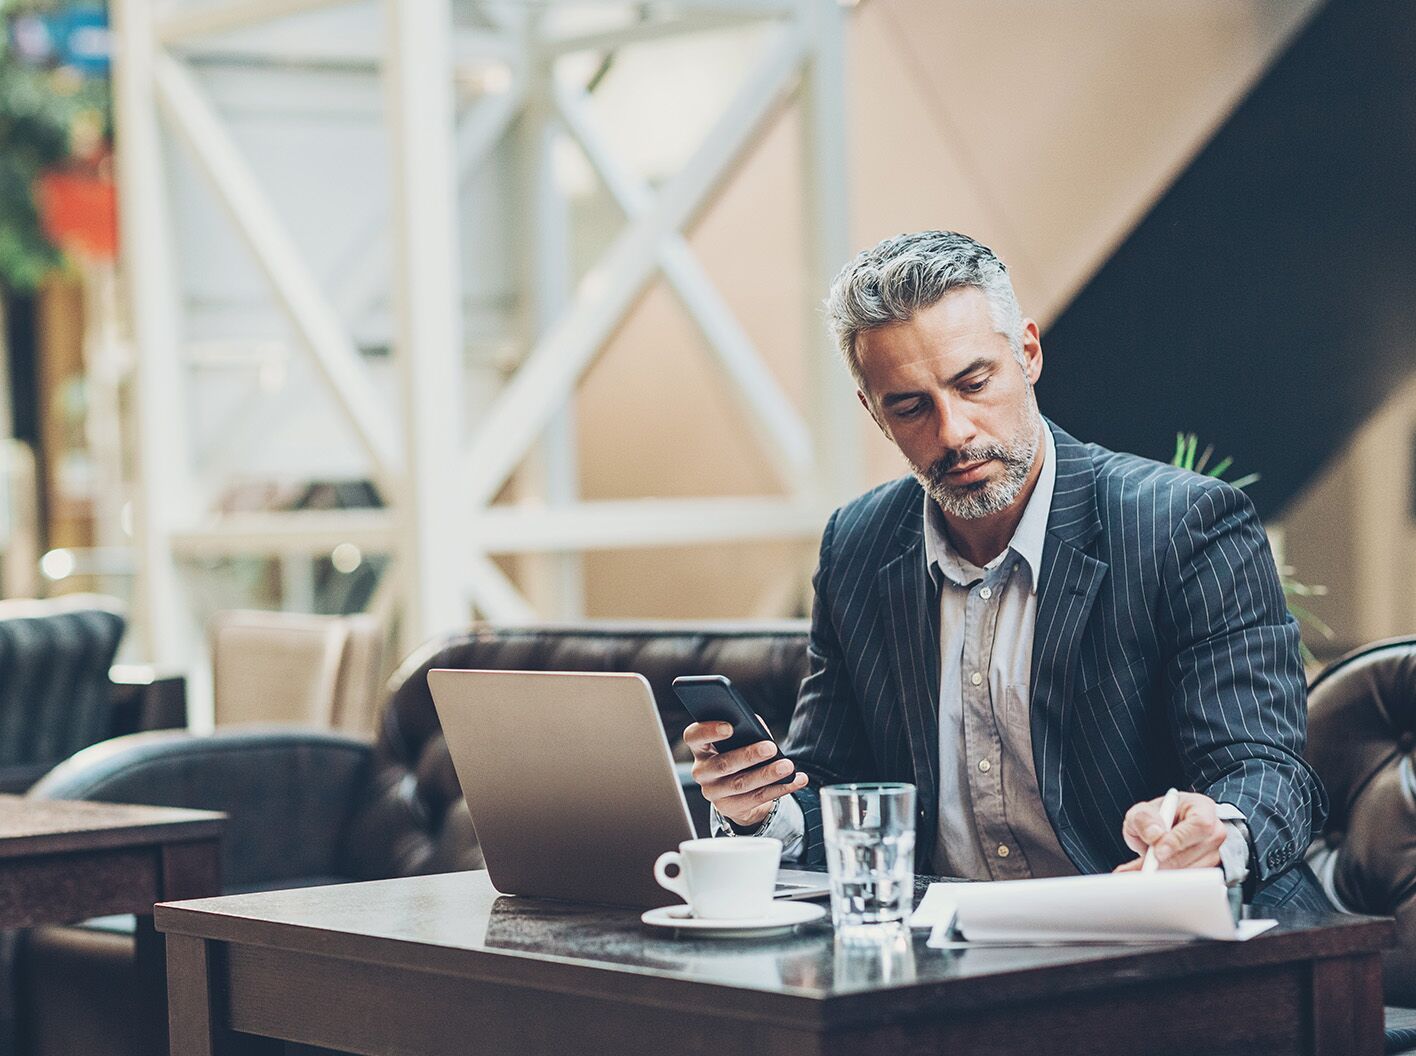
(865, 402)
(1032, 351)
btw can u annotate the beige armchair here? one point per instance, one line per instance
(283, 667)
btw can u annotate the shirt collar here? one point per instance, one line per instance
(1028, 538)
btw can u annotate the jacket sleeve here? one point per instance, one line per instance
(826, 741)
(1238, 702)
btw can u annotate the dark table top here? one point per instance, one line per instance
(30, 827)
(458, 923)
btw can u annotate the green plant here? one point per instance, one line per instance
(44, 115)
(1186, 446)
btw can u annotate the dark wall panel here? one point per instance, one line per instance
(1268, 300)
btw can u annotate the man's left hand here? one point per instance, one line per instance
(1192, 842)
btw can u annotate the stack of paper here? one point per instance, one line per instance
(1117, 907)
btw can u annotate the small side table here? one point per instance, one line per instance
(63, 861)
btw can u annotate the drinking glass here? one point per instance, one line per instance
(870, 841)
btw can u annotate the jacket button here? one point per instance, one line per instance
(1406, 741)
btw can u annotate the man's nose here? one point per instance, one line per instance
(956, 429)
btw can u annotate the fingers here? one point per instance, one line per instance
(1192, 841)
(736, 782)
(740, 782)
(701, 737)
(1142, 826)
(751, 807)
(1196, 826)
(714, 765)
(1133, 866)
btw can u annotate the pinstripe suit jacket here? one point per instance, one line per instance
(1163, 655)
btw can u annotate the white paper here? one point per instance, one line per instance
(1164, 906)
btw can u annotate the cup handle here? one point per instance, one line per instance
(676, 884)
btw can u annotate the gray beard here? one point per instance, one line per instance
(969, 502)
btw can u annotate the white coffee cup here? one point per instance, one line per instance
(728, 878)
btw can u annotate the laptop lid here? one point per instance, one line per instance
(569, 780)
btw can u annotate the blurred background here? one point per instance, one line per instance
(443, 310)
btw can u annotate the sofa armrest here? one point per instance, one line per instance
(287, 792)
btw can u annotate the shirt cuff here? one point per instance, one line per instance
(787, 825)
(1234, 852)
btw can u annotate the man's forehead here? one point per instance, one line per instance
(888, 354)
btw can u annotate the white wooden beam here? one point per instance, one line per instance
(655, 29)
(307, 532)
(550, 372)
(638, 523)
(479, 132)
(418, 87)
(222, 16)
(494, 595)
(826, 211)
(162, 486)
(554, 583)
(275, 252)
(780, 430)
(514, 529)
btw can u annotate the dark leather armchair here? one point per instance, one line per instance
(309, 808)
(54, 690)
(1361, 736)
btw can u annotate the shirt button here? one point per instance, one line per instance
(976, 679)
(985, 593)
(984, 765)
(1003, 851)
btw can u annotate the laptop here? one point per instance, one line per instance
(571, 784)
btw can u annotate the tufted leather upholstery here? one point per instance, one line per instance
(1361, 736)
(413, 820)
(54, 690)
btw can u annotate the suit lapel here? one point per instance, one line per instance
(911, 617)
(1071, 578)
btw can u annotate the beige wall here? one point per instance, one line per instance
(1043, 129)
(1352, 532)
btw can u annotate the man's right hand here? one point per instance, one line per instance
(741, 794)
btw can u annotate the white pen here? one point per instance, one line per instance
(1167, 818)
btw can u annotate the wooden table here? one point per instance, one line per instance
(443, 965)
(63, 861)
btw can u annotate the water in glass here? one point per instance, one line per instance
(870, 841)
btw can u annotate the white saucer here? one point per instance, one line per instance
(782, 917)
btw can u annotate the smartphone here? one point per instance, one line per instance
(712, 698)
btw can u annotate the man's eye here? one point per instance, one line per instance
(974, 386)
(909, 410)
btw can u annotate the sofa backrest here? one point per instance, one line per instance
(54, 692)
(413, 820)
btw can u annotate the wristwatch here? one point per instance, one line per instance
(730, 829)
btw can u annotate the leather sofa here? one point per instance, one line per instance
(308, 807)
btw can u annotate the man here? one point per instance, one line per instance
(1041, 635)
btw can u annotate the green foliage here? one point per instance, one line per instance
(1185, 457)
(1185, 444)
(40, 113)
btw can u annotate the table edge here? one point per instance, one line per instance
(784, 1005)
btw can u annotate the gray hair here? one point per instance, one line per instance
(891, 281)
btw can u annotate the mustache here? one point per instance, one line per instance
(965, 456)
